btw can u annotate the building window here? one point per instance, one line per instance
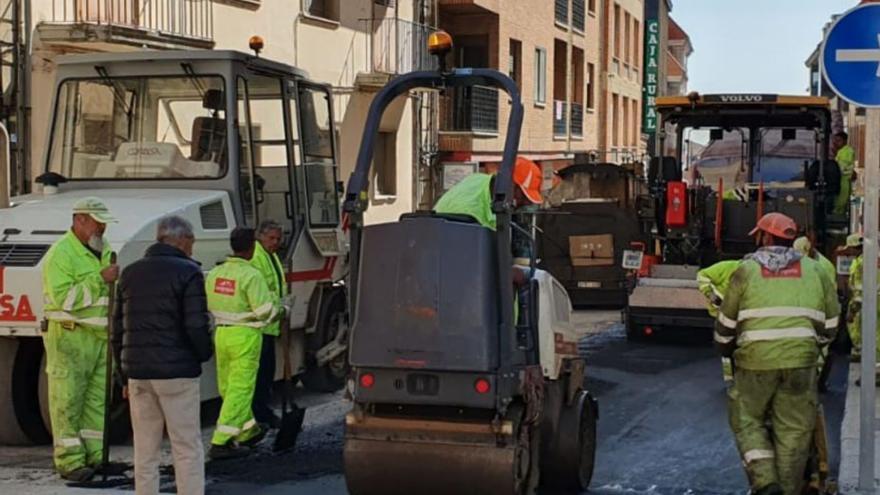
(540, 75)
(578, 15)
(635, 122)
(591, 5)
(562, 11)
(626, 38)
(591, 74)
(325, 9)
(385, 164)
(515, 62)
(637, 47)
(625, 104)
(615, 120)
(617, 31)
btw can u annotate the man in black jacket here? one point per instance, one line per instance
(161, 337)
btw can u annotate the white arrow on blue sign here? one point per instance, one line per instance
(851, 56)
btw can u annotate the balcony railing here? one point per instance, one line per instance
(470, 109)
(397, 46)
(190, 19)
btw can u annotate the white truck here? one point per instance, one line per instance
(221, 138)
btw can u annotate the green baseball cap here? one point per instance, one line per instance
(94, 208)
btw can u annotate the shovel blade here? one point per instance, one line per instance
(291, 426)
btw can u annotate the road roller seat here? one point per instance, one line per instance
(427, 295)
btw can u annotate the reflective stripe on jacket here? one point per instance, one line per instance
(778, 320)
(238, 296)
(73, 289)
(272, 270)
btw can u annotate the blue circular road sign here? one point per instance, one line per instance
(850, 56)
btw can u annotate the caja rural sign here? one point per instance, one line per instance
(652, 84)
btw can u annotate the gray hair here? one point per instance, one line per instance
(173, 228)
(267, 226)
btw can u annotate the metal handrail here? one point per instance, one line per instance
(184, 18)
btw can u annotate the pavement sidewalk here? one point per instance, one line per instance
(849, 438)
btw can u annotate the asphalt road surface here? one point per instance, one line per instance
(662, 430)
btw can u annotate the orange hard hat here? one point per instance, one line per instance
(527, 175)
(778, 225)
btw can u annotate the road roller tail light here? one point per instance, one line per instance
(482, 386)
(367, 380)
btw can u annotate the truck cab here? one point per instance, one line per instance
(724, 161)
(221, 138)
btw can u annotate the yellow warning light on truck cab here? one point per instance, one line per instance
(256, 44)
(439, 43)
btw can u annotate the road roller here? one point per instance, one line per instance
(460, 383)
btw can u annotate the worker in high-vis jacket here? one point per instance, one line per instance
(804, 246)
(854, 315)
(473, 197)
(266, 260)
(243, 307)
(779, 309)
(712, 282)
(76, 273)
(845, 156)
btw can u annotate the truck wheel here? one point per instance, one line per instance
(575, 447)
(332, 318)
(20, 419)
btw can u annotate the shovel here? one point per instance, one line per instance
(291, 415)
(112, 474)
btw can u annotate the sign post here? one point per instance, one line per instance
(850, 60)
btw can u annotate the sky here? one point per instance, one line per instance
(753, 46)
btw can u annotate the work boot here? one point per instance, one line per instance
(228, 451)
(79, 475)
(771, 489)
(254, 440)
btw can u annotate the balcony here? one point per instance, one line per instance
(470, 6)
(470, 110)
(397, 46)
(158, 24)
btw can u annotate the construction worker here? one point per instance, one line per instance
(854, 310)
(806, 248)
(242, 306)
(76, 274)
(266, 260)
(712, 282)
(854, 318)
(473, 195)
(845, 156)
(779, 309)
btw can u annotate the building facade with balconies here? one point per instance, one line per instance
(356, 46)
(620, 103)
(551, 50)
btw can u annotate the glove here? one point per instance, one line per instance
(715, 300)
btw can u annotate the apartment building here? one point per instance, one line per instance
(551, 49)
(678, 49)
(620, 104)
(354, 45)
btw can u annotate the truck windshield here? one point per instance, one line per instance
(785, 160)
(780, 158)
(140, 128)
(711, 158)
